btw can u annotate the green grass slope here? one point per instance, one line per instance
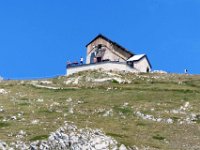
(159, 111)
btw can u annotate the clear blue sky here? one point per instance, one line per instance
(37, 37)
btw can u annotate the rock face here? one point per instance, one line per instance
(70, 137)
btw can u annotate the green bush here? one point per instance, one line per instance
(158, 137)
(123, 110)
(39, 137)
(4, 124)
(115, 81)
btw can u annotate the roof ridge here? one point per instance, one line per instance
(113, 42)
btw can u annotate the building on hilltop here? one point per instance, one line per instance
(103, 53)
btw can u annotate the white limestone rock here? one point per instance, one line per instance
(169, 121)
(1, 109)
(36, 121)
(108, 113)
(13, 118)
(122, 147)
(45, 82)
(3, 145)
(40, 100)
(3, 91)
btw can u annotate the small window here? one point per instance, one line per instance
(99, 46)
(98, 59)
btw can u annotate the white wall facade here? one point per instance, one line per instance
(109, 54)
(142, 65)
(108, 66)
(112, 52)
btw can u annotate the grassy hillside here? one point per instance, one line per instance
(159, 111)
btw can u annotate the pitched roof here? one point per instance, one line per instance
(136, 57)
(110, 41)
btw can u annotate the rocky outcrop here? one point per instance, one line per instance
(69, 137)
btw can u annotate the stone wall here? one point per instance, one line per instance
(114, 66)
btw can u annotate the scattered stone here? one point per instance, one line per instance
(113, 74)
(40, 100)
(135, 148)
(169, 121)
(174, 111)
(125, 104)
(189, 118)
(38, 85)
(69, 100)
(21, 132)
(152, 118)
(152, 109)
(71, 110)
(10, 134)
(3, 91)
(117, 79)
(69, 81)
(185, 107)
(109, 88)
(13, 118)
(4, 120)
(46, 82)
(102, 80)
(159, 71)
(1, 109)
(20, 114)
(108, 113)
(76, 81)
(55, 104)
(159, 119)
(35, 121)
(122, 147)
(80, 102)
